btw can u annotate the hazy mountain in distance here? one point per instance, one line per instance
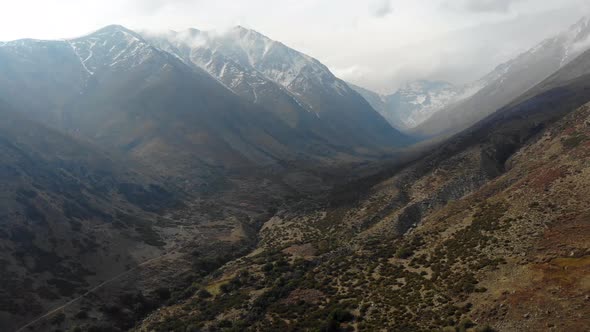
(291, 85)
(378, 102)
(116, 94)
(511, 79)
(117, 89)
(417, 101)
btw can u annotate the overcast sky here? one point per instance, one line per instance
(378, 44)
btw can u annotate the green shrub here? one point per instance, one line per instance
(485, 328)
(204, 294)
(404, 252)
(573, 141)
(341, 315)
(58, 318)
(82, 314)
(163, 293)
(465, 324)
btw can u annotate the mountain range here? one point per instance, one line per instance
(283, 80)
(204, 181)
(113, 87)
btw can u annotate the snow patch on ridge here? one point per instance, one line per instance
(82, 62)
(113, 47)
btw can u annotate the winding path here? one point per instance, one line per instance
(95, 288)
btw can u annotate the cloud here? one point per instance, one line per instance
(153, 6)
(458, 56)
(581, 45)
(380, 8)
(498, 6)
(352, 73)
(378, 44)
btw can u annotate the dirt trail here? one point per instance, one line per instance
(97, 287)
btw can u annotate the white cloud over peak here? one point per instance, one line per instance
(381, 8)
(481, 5)
(378, 44)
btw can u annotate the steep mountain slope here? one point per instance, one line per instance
(40, 75)
(465, 233)
(245, 82)
(296, 87)
(170, 115)
(70, 216)
(511, 79)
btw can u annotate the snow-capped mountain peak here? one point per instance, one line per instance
(244, 59)
(252, 43)
(252, 49)
(113, 46)
(289, 84)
